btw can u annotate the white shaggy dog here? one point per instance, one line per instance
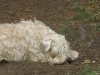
(33, 41)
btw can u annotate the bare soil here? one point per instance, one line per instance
(53, 13)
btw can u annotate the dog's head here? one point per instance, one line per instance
(58, 49)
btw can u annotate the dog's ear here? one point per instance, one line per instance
(47, 44)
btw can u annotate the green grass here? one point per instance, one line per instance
(92, 1)
(75, 7)
(88, 70)
(86, 16)
(97, 27)
(65, 29)
(84, 13)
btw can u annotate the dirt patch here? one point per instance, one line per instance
(53, 13)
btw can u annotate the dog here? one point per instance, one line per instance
(34, 41)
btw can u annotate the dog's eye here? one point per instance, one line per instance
(53, 55)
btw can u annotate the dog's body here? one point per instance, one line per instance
(33, 41)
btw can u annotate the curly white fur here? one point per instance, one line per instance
(33, 41)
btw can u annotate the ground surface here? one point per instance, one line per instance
(54, 13)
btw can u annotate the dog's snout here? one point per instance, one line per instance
(69, 60)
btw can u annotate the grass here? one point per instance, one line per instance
(65, 29)
(88, 70)
(91, 1)
(84, 13)
(97, 27)
(75, 7)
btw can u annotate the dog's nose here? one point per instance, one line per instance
(69, 60)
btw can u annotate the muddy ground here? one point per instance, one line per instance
(54, 13)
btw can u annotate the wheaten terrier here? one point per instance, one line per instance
(33, 41)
